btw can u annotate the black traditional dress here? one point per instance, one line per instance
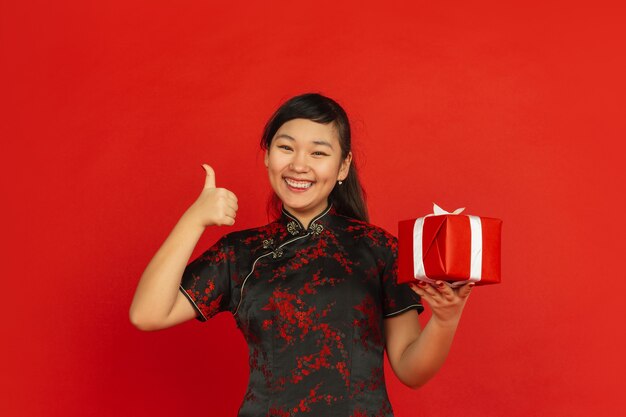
(310, 303)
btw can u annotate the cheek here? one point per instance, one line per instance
(328, 170)
(277, 163)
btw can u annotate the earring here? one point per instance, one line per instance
(340, 182)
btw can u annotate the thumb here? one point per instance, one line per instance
(210, 176)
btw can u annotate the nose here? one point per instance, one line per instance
(299, 163)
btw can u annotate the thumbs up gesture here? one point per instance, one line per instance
(214, 206)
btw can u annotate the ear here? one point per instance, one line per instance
(266, 159)
(345, 167)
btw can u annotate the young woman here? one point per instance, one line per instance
(313, 292)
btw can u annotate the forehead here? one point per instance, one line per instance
(306, 130)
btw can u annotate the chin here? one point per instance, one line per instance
(296, 204)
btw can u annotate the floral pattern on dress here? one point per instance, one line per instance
(310, 302)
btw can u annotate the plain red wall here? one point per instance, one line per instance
(511, 109)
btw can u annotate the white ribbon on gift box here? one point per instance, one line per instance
(476, 257)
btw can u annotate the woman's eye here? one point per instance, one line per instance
(284, 147)
(320, 153)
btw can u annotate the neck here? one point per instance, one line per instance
(305, 218)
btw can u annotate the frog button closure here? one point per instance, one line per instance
(269, 244)
(316, 229)
(293, 227)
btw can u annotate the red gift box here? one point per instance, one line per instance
(451, 247)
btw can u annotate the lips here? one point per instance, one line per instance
(299, 184)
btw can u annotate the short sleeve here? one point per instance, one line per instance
(397, 298)
(206, 280)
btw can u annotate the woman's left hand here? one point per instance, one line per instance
(445, 302)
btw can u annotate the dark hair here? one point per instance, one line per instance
(348, 199)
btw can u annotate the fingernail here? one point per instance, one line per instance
(471, 284)
(439, 284)
(421, 284)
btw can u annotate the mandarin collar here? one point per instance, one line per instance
(316, 226)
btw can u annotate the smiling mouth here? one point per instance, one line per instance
(300, 185)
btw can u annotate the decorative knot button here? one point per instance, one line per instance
(293, 227)
(269, 244)
(316, 229)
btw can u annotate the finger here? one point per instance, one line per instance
(227, 221)
(444, 290)
(427, 288)
(232, 204)
(232, 200)
(225, 197)
(209, 181)
(422, 293)
(466, 289)
(228, 211)
(232, 195)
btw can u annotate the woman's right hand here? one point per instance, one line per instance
(214, 206)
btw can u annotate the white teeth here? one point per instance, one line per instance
(298, 184)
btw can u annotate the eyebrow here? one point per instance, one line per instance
(315, 141)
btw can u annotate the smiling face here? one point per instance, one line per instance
(304, 163)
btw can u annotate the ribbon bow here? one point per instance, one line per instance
(438, 211)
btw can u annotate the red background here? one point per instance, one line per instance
(512, 109)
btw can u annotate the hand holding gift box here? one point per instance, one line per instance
(451, 247)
